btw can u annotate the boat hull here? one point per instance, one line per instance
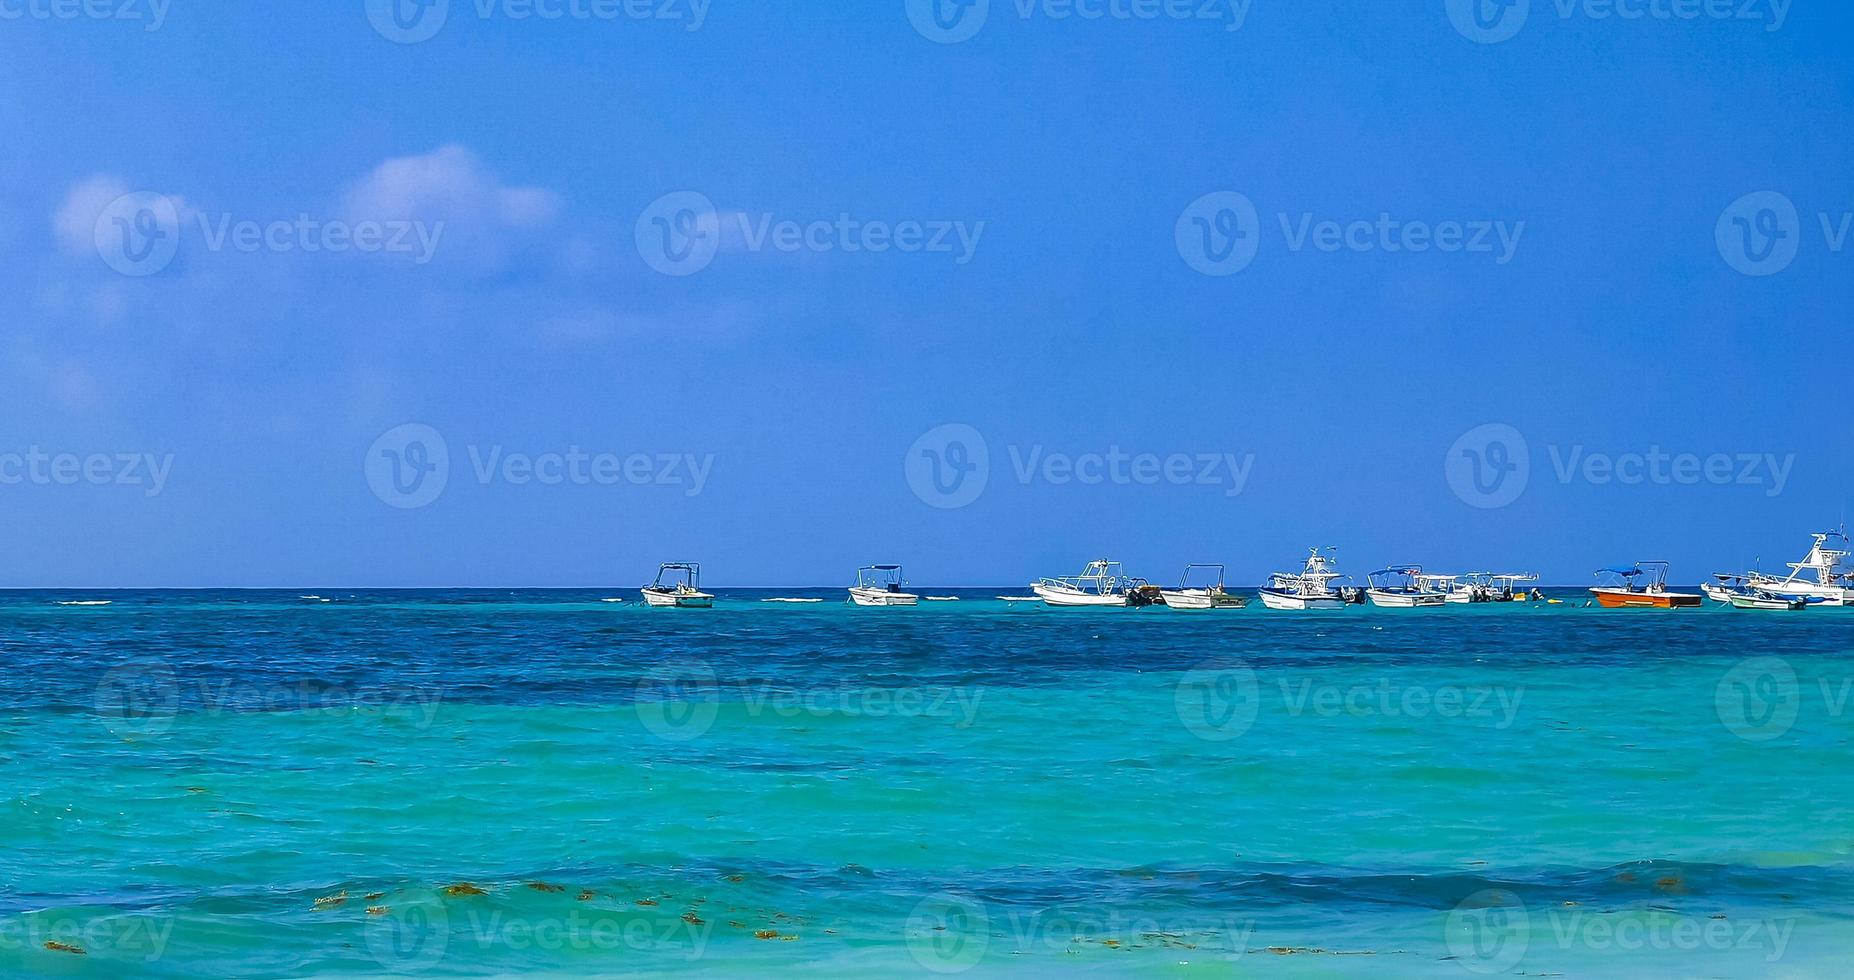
(1073, 598)
(1813, 593)
(1294, 602)
(882, 597)
(678, 600)
(1767, 602)
(1624, 599)
(1391, 599)
(1201, 599)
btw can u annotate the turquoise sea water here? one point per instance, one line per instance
(493, 782)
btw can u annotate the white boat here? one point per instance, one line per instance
(1310, 588)
(1207, 596)
(1099, 584)
(1454, 588)
(1727, 586)
(1402, 587)
(881, 585)
(682, 591)
(1755, 599)
(1512, 587)
(1815, 579)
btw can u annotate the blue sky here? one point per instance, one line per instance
(1096, 167)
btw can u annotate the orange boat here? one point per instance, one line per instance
(1623, 591)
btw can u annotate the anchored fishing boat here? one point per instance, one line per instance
(1310, 588)
(1642, 585)
(881, 585)
(1100, 583)
(1454, 588)
(1207, 596)
(1512, 587)
(1738, 592)
(1403, 587)
(682, 591)
(1816, 579)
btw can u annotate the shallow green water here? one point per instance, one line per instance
(973, 787)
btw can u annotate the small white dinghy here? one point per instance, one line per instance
(881, 585)
(682, 591)
(1208, 596)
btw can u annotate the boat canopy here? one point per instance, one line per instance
(1400, 570)
(1623, 570)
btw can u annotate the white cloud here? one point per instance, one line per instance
(451, 185)
(75, 222)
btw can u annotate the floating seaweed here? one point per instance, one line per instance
(766, 934)
(647, 902)
(373, 896)
(377, 910)
(693, 919)
(463, 888)
(587, 895)
(58, 947)
(542, 886)
(331, 901)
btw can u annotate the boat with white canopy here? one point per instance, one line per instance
(881, 585)
(1310, 588)
(1208, 595)
(1816, 579)
(1101, 583)
(1403, 587)
(682, 590)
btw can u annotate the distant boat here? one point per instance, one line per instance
(881, 585)
(1454, 588)
(1310, 588)
(1755, 599)
(1403, 587)
(1625, 588)
(1823, 584)
(1737, 592)
(682, 591)
(1100, 583)
(1210, 595)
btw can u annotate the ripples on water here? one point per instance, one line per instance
(978, 783)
